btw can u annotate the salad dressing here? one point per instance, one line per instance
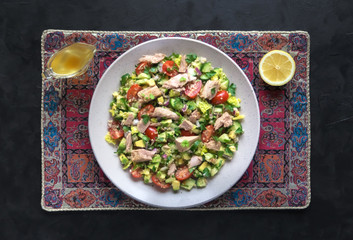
(72, 60)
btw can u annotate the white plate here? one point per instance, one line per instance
(230, 173)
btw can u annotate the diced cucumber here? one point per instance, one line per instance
(173, 93)
(224, 138)
(153, 166)
(206, 67)
(191, 105)
(176, 103)
(224, 84)
(204, 77)
(201, 182)
(188, 184)
(237, 128)
(208, 156)
(197, 173)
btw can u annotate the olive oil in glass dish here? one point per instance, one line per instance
(70, 61)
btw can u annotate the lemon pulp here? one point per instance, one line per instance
(277, 68)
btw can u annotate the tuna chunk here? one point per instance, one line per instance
(177, 81)
(129, 120)
(156, 58)
(207, 91)
(141, 126)
(195, 161)
(149, 94)
(225, 120)
(213, 145)
(155, 124)
(128, 143)
(195, 115)
(172, 169)
(141, 155)
(186, 125)
(184, 143)
(183, 64)
(164, 112)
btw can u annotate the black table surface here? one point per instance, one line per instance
(330, 25)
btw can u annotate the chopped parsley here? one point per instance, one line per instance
(231, 89)
(190, 58)
(213, 91)
(145, 118)
(185, 143)
(124, 79)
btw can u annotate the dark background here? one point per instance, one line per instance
(330, 25)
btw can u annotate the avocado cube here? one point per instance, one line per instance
(203, 166)
(122, 145)
(214, 171)
(179, 162)
(140, 143)
(153, 166)
(160, 100)
(161, 175)
(220, 162)
(124, 160)
(173, 93)
(224, 138)
(147, 178)
(176, 185)
(170, 180)
(186, 156)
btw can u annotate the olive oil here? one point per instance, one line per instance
(72, 60)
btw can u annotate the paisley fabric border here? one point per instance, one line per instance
(56, 197)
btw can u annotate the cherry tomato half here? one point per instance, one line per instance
(170, 68)
(116, 131)
(132, 92)
(141, 67)
(208, 133)
(221, 97)
(146, 110)
(186, 133)
(152, 133)
(136, 173)
(183, 173)
(193, 89)
(160, 184)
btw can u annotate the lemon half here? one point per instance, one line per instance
(277, 68)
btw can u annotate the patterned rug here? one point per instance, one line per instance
(277, 178)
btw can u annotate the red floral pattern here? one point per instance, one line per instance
(278, 176)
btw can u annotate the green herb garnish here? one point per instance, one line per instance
(145, 118)
(185, 143)
(190, 58)
(213, 91)
(231, 89)
(124, 79)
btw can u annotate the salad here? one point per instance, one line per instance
(175, 120)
